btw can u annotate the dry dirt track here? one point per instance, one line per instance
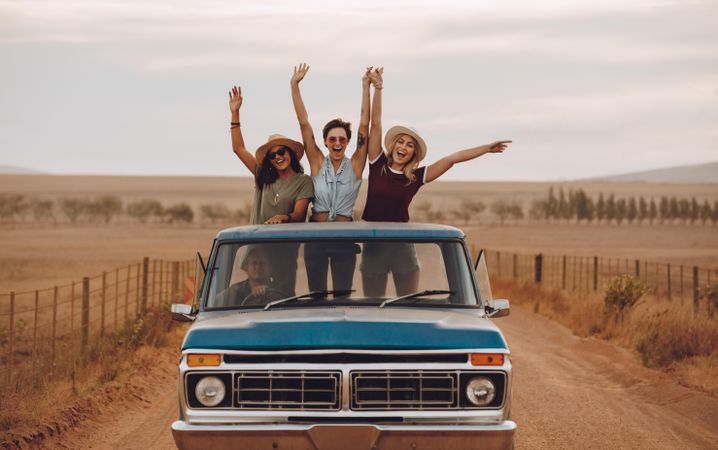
(569, 393)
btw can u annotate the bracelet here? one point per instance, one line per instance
(234, 123)
(289, 218)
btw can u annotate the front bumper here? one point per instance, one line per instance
(344, 437)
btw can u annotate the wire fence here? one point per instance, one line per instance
(587, 274)
(37, 326)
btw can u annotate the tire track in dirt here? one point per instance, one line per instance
(568, 393)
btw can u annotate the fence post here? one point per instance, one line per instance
(11, 344)
(539, 268)
(696, 295)
(54, 328)
(161, 285)
(595, 273)
(72, 307)
(563, 274)
(681, 279)
(34, 333)
(102, 305)
(85, 312)
(668, 288)
(145, 274)
(117, 293)
(137, 293)
(175, 280)
(516, 268)
(154, 281)
(127, 294)
(638, 269)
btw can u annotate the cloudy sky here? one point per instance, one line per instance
(584, 88)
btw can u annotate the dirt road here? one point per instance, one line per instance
(569, 393)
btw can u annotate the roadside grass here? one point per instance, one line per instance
(666, 334)
(42, 403)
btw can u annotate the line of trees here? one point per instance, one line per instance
(17, 208)
(578, 206)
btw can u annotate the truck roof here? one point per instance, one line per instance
(351, 230)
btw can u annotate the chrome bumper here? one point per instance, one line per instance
(344, 437)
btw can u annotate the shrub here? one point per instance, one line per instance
(73, 208)
(710, 293)
(104, 208)
(180, 212)
(622, 294)
(667, 338)
(144, 209)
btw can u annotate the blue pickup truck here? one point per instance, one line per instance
(343, 336)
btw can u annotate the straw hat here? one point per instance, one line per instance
(278, 139)
(395, 131)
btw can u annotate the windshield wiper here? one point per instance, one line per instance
(414, 295)
(314, 295)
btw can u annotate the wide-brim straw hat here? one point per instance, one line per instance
(395, 131)
(278, 139)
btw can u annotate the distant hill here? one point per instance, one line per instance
(14, 170)
(699, 173)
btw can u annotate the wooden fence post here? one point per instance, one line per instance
(85, 327)
(161, 285)
(668, 289)
(563, 274)
(638, 269)
(516, 268)
(595, 273)
(11, 344)
(54, 328)
(34, 333)
(145, 274)
(137, 293)
(72, 307)
(538, 268)
(175, 280)
(681, 279)
(102, 304)
(117, 293)
(154, 281)
(696, 292)
(127, 293)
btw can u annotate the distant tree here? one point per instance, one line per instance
(73, 207)
(584, 206)
(42, 210)
(714, 215)
(179, 213)
(516, 211)
(216, 212)
(642, 209)
(610, 209)
(104, 208)
(706, 212)
(435, 216)
(501, 209)
(695, 211)
(684, 210)
(652, 211)
(631, 210)
(572, 205)
(551, 205)
(468, 209)
(600, 208)
(12, 206)
(539, 210)
(674, 212)
(145, 209)
(621, 210)
(564, 209)
(664, 209)
(242, 215)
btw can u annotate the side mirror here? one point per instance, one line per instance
(499, 308)
(181, 312)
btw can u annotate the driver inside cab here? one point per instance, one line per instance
(258, 285)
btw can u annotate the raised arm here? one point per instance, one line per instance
(359, 156)
(314, 155)
(437, 169)
(235, 102)
(375, 130)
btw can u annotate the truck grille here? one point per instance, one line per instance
(297, 390)
(388, 390)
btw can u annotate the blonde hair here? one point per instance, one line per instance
(409, 167)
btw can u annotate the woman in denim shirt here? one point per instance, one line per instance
(336, 185)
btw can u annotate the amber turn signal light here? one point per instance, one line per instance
(203, 360)
(487, 359)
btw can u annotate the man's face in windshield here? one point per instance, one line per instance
(257, 267)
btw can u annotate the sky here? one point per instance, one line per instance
(584, 88)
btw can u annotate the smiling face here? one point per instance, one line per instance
(337, 141)
(404, 149)
(279, 157)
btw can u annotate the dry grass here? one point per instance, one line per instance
(666, 335)
(38, 406)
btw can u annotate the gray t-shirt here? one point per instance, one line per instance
(280, 196)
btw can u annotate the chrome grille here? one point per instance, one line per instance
(298, 390)
(390, 390)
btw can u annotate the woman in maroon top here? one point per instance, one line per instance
(394, 178)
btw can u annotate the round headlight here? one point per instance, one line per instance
(210, 391)
(480, 391)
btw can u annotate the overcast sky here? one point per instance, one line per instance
(584, 88)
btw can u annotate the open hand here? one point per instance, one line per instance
(235, 99)
(299, 72)
(279, 218)
(498, 146)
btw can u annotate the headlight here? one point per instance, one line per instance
(480, 391)
(210, 391)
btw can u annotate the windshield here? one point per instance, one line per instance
(341, 272)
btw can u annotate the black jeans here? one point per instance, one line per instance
(342, 256)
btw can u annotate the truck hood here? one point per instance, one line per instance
(343, 328)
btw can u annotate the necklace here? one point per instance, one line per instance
(275, 193)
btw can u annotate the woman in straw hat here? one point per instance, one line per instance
(282, 191)
(394, 179)
(337, 180)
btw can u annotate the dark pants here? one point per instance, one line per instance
(342, 258)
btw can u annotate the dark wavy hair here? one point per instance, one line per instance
(337, 123)
(267, 174)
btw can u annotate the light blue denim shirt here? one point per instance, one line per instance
(336, 193)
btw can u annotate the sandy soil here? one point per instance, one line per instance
(569, 393)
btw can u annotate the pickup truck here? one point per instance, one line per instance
(399, 353)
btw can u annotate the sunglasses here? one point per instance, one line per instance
(334, 139)
(280, 152)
